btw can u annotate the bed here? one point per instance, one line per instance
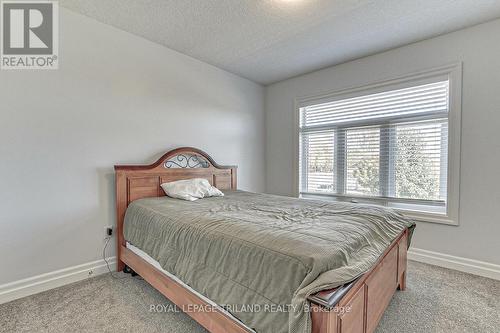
(336, 265)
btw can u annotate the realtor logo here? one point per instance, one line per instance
(29, 35)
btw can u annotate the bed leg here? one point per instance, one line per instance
(402, 282)
(120, 265)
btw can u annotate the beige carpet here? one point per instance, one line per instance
(436, 300)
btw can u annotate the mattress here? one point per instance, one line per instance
(248, 249)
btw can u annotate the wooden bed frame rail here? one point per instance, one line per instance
(358, 310)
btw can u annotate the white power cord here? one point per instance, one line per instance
(106, 261)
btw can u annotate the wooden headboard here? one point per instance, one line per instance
(142, 181)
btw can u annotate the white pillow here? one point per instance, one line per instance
(191, 189)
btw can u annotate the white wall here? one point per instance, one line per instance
(116, 99)
(478, 47)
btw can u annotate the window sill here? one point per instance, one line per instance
(414, 214)
(427, 217)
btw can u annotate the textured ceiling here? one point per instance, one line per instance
(271, 40)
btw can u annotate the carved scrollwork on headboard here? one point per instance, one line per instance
(186, 161)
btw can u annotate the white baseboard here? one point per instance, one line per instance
(36, 284)
(471, 266)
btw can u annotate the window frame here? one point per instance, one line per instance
(451, 72)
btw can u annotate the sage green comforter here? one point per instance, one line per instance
(262, 255)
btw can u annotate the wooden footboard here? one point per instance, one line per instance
(362, 307)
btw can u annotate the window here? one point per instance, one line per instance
(387, 145)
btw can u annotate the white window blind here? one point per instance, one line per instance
(390, 146)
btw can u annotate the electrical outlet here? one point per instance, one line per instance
(108, 231)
